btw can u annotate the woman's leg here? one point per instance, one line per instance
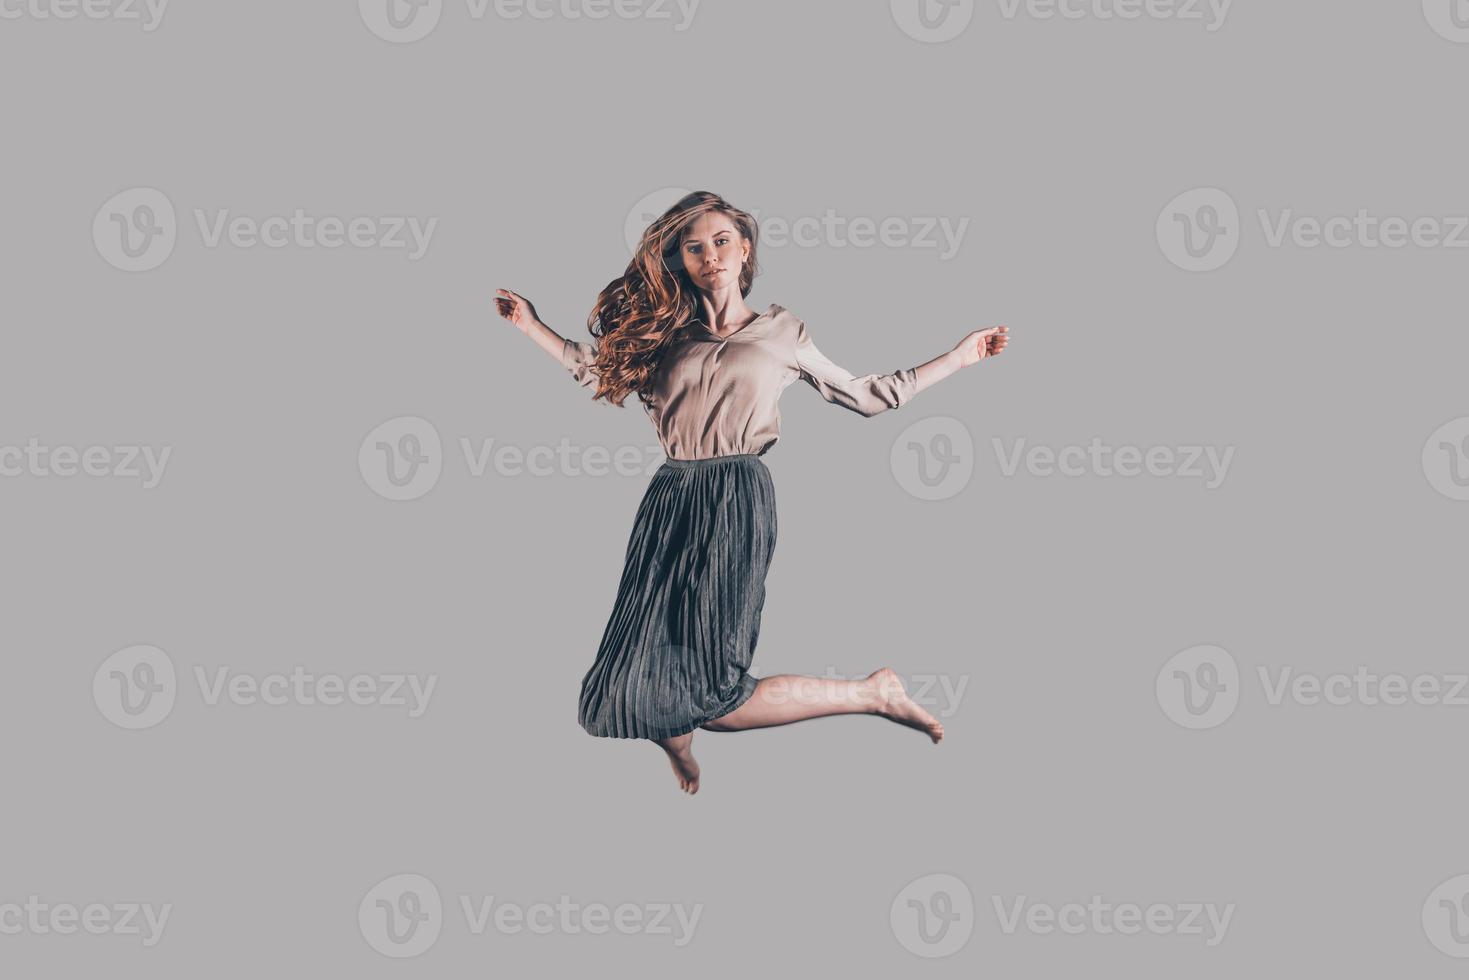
(681, 756)
(787, 698)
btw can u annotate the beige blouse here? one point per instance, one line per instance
(713, 396)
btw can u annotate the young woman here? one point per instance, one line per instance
(674, 330)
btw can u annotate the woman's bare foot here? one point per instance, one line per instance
(681, 754)
(894, 703)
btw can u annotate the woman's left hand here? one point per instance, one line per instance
(980, 344)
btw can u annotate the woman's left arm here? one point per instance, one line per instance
(975, 347)
(873, 393)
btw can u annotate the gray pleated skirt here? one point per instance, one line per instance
(677, 648)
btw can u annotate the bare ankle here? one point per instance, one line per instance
(875, 699)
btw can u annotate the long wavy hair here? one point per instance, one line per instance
(640, 314)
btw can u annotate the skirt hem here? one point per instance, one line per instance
(747, 690)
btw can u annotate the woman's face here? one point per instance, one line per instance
(713, 252)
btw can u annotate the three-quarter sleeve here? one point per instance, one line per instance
(576, 357)
(867, 395)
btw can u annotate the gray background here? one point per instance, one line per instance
(1055, 599)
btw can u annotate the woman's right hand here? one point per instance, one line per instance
(517, 309)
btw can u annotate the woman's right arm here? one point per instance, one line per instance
(574, 355)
